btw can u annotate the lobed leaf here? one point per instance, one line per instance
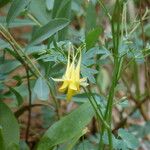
(129, 139)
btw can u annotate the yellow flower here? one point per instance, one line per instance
(71, 79)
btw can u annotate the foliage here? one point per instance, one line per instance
(38, 38)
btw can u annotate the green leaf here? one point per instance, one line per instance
(17, 94)
(41, 89)
(16, 8)
(18, 79)
(49, 4)
(13, 147)
(67, 128)
(9, 126)
(9, 66)
(77, 8)
(120, 144)
(4, 2)
(90, 17)
(88, 57)
(72, 142)
(86, 145)
(48, 116)
(17, 22)
(23, 145)
(48, 30)
(62, 9)
(2, 146)
(39, 11)
(123, 103)
(131, 141)
(89, 73)
(140, 130)
(92, 38)
(56, 7)
(36, 49)
(3, 44)
(103, 79)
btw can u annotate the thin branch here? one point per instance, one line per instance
(30, 102)
(135, 101)
(105, 9)
(123, 122)
(21, 110)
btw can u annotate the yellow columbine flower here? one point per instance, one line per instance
(71, 79)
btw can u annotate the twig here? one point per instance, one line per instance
(30, 102)
(123, 122)
(135, 101)
(105, 9)
(33, 19)
(139, 106)
(21, 110)
(142, 25)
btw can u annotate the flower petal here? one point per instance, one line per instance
(57, 80)
(70, 93)
(73, 86)
(64, 86)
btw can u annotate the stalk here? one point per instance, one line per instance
(116, 34)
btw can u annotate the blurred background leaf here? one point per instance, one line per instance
(16, 8)
(41, 89)
(48, 30)
(9, 127)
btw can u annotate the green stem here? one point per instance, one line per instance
(34, 20)
(105, 9)
(95, 107)
(98, 105)
(30, 103)
(115, 26)
(108, 113)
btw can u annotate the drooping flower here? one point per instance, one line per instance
(71, 79)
